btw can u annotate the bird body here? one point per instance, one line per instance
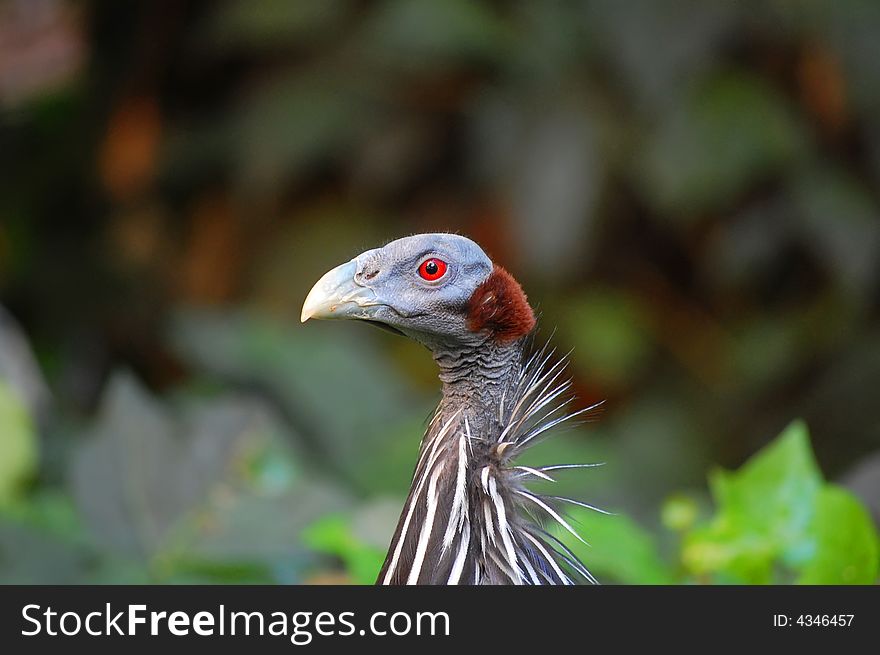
(470, 517)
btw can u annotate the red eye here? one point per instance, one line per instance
(432, 269)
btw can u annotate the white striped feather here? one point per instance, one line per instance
(490, 527)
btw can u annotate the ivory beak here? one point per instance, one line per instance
(337, 296)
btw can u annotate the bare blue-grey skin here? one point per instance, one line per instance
(469, 517)
(383, 285)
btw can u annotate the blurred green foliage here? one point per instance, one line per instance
(763, 513)
(688, 191)
(333, 535)
(776, 515)
(775, 521)
(18, 447)
(619, 549)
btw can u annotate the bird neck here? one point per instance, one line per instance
(476, 378)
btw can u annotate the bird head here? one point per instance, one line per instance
(434, 288)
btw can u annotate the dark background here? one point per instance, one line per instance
(688, 192)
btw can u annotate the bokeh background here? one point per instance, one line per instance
(688, 191)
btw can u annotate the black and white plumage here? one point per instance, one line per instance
(470, 516)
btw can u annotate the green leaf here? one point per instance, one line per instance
(764, 512)
(776, 515)
(774, 490)
(620, 550)
(737, 555)
(846, 549)
(18, 445)
(333, 535)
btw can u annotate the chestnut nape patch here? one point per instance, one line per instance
(500, 307)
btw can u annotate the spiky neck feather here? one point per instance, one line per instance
(469, 515)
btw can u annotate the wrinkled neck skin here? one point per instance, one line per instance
(476, 376)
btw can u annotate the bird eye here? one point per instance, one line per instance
(432, 269)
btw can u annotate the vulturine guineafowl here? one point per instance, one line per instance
(470, 517)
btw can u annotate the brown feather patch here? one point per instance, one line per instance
(500, 307)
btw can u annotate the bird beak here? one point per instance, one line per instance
(337, 295)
